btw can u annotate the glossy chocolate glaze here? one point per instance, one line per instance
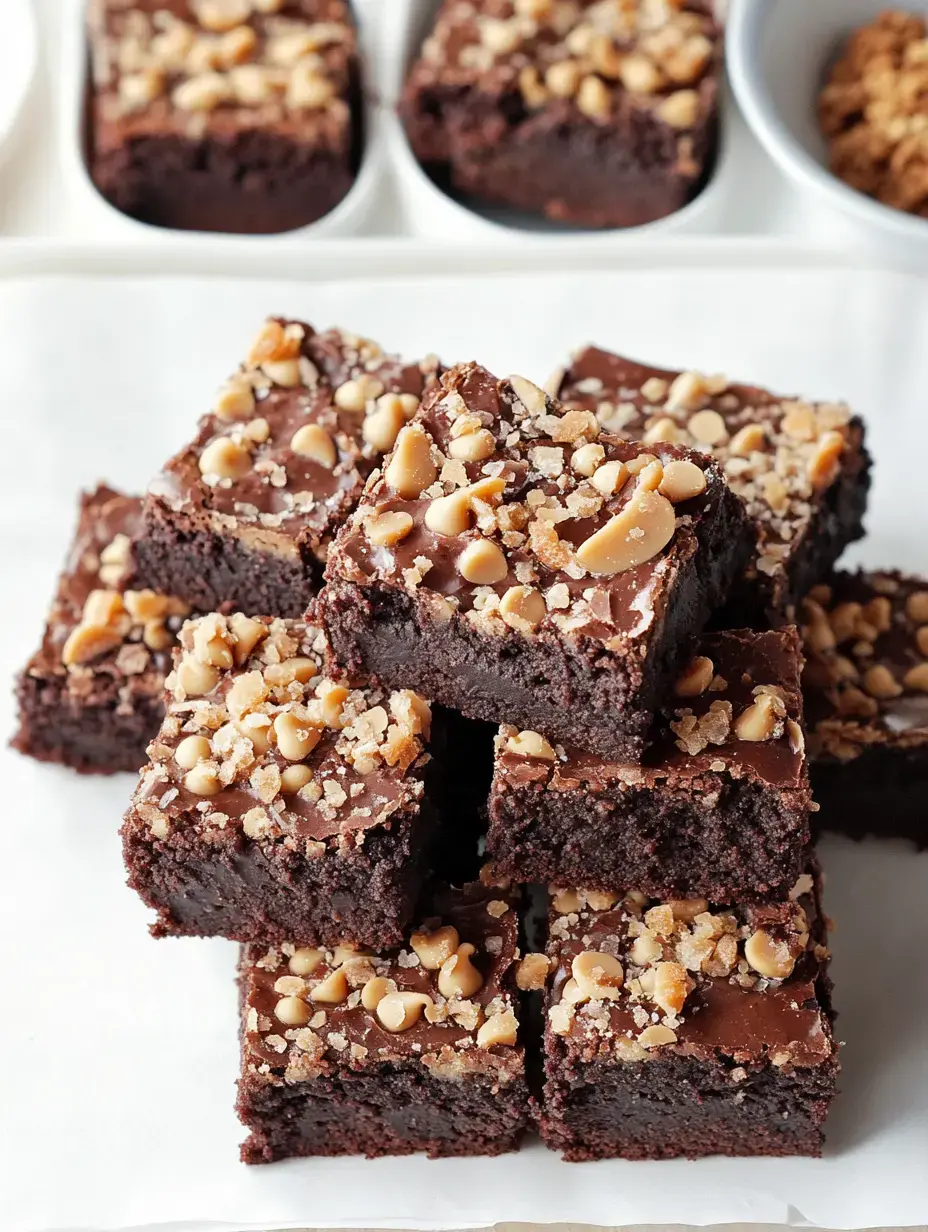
(353, 1036)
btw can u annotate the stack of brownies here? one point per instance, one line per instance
(356, 564)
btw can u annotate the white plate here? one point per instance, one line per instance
(120, 1052)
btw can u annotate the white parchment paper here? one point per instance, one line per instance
(118, 1054)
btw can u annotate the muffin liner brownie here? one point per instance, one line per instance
(720, 805)
(800, 467)
(224, 115)
(866, 696)
(91, 697)
(686, 1029)
(517, 564)
(391, 1051)
(601, 115)
(243, 516)
(279, 803)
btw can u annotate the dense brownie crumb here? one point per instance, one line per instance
(719, 806)
(596, 114)
(224, 115)
(516, 563)
(866, 691)
(91, 696)
(686, 1029)
(388, 1052)
(243, 516)
(800, 467)
(279, 802)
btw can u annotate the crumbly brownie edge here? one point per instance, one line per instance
(682, 1107)
(751, 844)
(99, 738)
(235, 888)
(216, 572)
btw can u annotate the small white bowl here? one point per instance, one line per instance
(778, 55)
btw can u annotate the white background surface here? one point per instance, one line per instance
(119, 1052)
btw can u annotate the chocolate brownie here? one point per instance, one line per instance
(392, 1051)
(242, 517)
(603, 115)
(686, 1029)
(517, 564)
(800, 467)
(866, 697)
(720, 805)
(278, 803)
(224, 115)
(91, 697)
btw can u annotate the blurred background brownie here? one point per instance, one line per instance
(91, 696)
(866, 698)
(224, 115)
(604, 115)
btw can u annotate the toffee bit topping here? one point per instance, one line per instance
(112, 619)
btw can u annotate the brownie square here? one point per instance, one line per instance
(800, 467)
(392, 1051)
(687, 1029)
(242, 517)
(514, 562)
(277, 803)
(719, 807)
(866, 697)
(91, 697)
(223, 115)
(592, 114)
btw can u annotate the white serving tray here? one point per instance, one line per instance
(120, 1052)
(45, 189)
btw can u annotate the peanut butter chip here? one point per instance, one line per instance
(759, 721)
(656, 1035)
(750, 439)
(381, 428)
(191, 750)
(196, 678)
(634, 535)
(523, 608)
(458, 976)
(375, 990)
(473, 446)
(609, 477)
(500, 1030)
(769, 957)
(599, 977)
(434, 949)
(313, 442)
(225, 459)
(203, 779)
(695, 677)
(294, 779)
(826, 461)
(411, 468)
(879, 682)
(482, 563)
(296, 738)
(670, 987)
(331, 990)
(530, 744)
(682, 481)
(293, 1011)
(453, 514)
(917, 678)
(916, 607)
(88, 642)
(388, 529)
(304, 961)
(398, 1011)
(708, 428)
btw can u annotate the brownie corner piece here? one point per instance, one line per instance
(719, 806)
(390, 1051)
(514, 562)
(224, 115)
(279, 803)
(686, 1029)
(91, 696)
(866, 698)
(241, 518)
(593, 115)
(801, 467)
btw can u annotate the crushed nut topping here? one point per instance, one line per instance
(873, 111)
(252, 713)
(448, 998)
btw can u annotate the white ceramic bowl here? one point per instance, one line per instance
(778, 56)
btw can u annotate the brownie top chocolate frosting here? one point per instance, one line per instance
(98, 631)
(500, 505)
(282, 457)
(781, 455)
(216, 68)
(446, 1000)
(568, 61)
(257, 737)
(635, 978)
(737, 714)
(866, 673)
